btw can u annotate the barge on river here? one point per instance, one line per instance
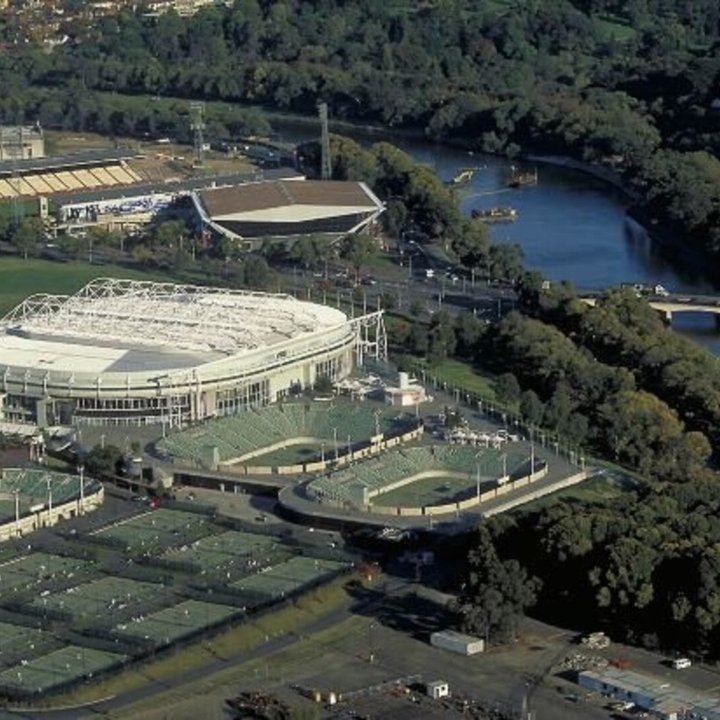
(495, 215)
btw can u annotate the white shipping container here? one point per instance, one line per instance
(457, 642)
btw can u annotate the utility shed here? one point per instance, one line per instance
(457, 642)
(438, 689)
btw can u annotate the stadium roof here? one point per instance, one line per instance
(173, 186)
(288, 201)
(127, 325)
(56, 162)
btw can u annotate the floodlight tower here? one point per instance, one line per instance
(197, 125)
(16, 154)
(325, 164)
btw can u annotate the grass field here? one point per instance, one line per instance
(610, 27)
(596, 489)
(293, 455)
(431, 491)
(20, 278)
(462, 375)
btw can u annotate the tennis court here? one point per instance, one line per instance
(288, 577)
(158, 529)
(100, 597)
(231, 550)
(20, 642)
(56, 668)
(171, 624)
(38, 570)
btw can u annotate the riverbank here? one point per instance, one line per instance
(599, 172)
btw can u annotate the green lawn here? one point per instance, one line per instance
(430, 491)
(20, 278)
(293, 455)
(610, 27)
(462, 375)
(598, 489)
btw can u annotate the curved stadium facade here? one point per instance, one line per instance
(124, 352)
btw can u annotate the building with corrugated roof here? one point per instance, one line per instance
(655, 695)
(287, 210)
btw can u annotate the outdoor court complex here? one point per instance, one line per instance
(125, 352)
(144, 582)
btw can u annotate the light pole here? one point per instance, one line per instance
(371, 650)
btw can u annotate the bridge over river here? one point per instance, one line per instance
(669, 305)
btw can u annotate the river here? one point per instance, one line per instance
(570, 225)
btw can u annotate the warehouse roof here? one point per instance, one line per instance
(253, 197)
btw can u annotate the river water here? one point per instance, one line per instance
(570, 225)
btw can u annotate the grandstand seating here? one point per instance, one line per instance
(346, 485)
(47, 182)
(32, 485)
(241, 434)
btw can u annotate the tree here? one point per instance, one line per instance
(505, 262)
(323, 384)
(168, 234)
(256, 272)
(441, 337)
(641, 429)
(357, 250)
(310, 250)
(531, 408)
(494, 593)
(472, 245)
(26, 235)
(507, 389)
(468, 333)
(103, 460)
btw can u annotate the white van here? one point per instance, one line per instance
(681, 663)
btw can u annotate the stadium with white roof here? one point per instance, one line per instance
(126, 352)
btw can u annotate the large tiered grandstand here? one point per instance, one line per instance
(71, 173)
(34, 498)
(126, 352)
(359, 484)
(338, 424)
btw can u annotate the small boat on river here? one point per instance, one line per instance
(520, 179)
(496, 215)
(462, 178)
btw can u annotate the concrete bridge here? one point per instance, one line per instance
(669, 305)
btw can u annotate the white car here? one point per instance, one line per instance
(681, 663)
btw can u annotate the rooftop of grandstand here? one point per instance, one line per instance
(175, 186)
(61, 162)
(113, 325)
(238, 435)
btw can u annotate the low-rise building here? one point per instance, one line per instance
(651, 694)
